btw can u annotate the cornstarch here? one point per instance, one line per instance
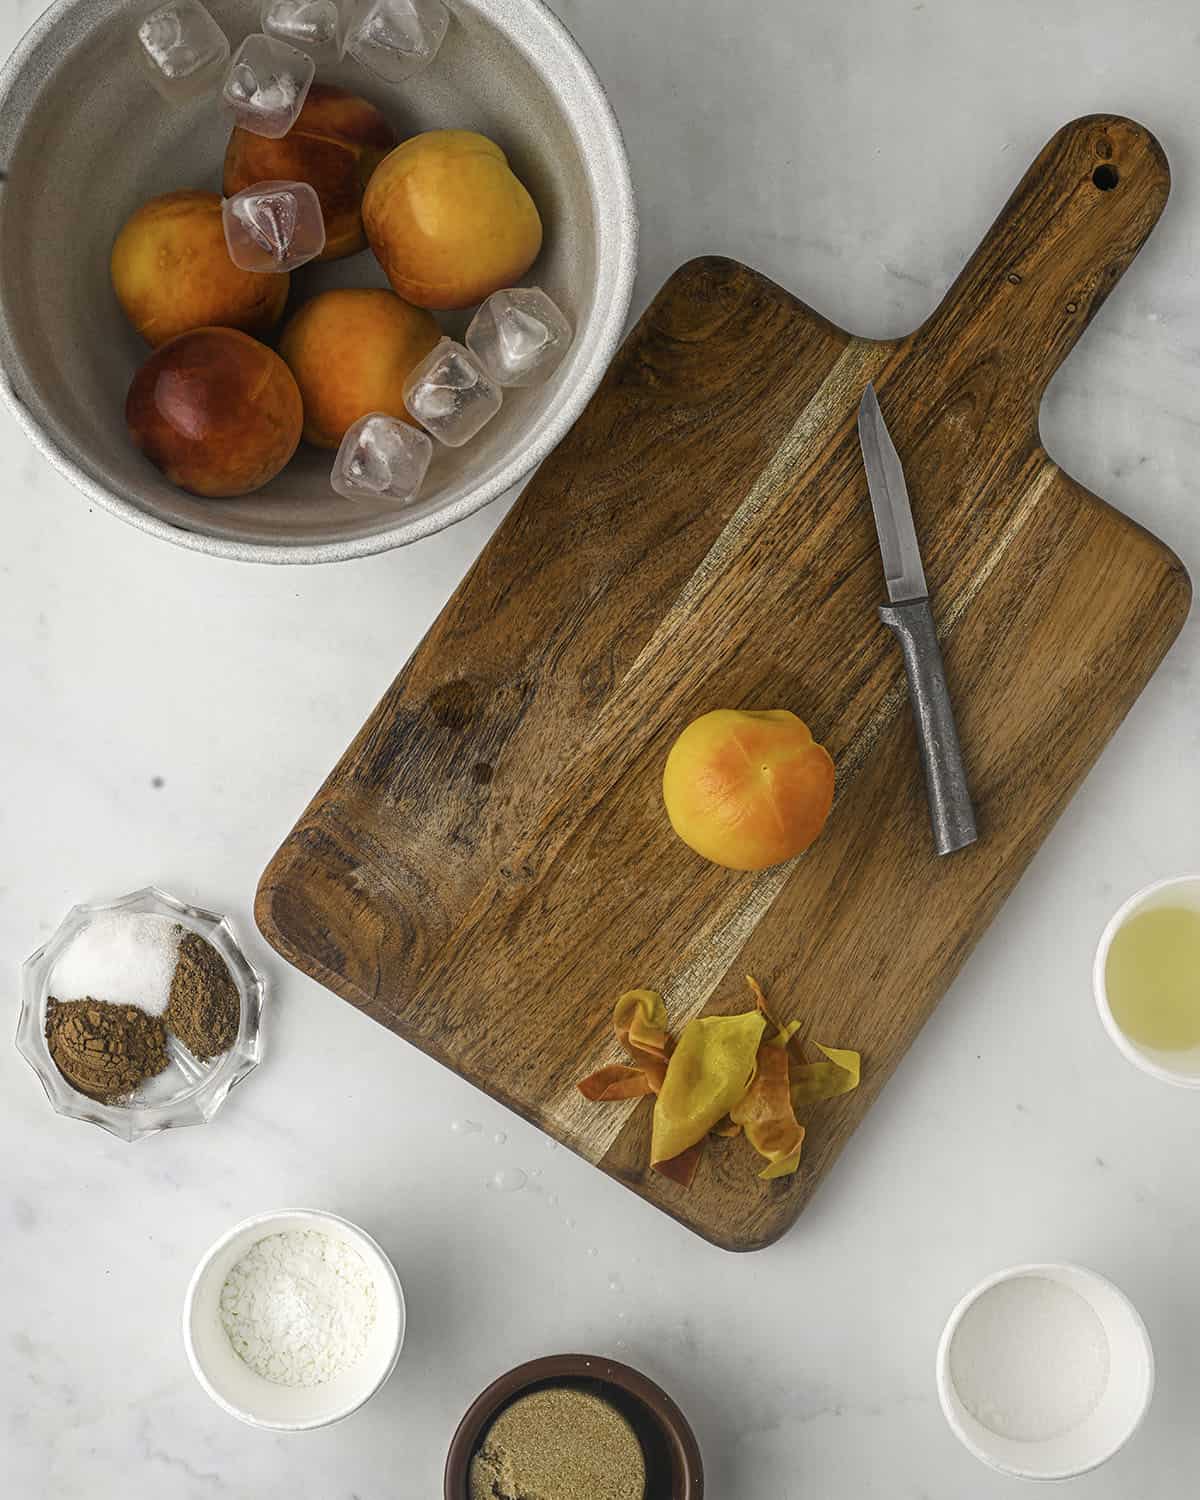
(299, 1307)
(1030, 1359)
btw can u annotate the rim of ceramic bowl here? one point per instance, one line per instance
(672, 1422)
(538, 34)
(947, 1396)
(316, 1216)
(1127, 1048)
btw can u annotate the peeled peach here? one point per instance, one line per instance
(748, 789)
(171, 272)
(449, 221)
(335, 146)
(351, 352)
(216, 411)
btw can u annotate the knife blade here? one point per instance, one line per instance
(909, 617)
(902, 570)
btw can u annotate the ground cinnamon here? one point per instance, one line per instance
(204, 1010)
(105, 1051)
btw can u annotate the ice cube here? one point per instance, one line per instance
(274, 226)
(267, 85)
(315, 26)
(519, 336)
(451, 394)
(183, 50)
(396, 38)
(382, 458)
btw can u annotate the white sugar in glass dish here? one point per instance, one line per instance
(120, 958)
(274, 1281)
(1045, 1371)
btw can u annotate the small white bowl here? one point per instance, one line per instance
(234, 1386)
(1115, 1419)
(1179, 1068)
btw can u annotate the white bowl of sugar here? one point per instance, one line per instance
(293, 1320)
(1045, 1371)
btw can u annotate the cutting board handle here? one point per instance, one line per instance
(1061, 243)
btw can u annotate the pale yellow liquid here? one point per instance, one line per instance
(1153, 979)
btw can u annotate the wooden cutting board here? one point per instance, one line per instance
(490, 865)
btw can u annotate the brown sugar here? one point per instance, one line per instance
(559, 1443)
(105, 1051)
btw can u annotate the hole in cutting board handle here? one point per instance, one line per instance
(1106, 177)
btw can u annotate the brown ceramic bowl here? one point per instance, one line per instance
(673, 1467)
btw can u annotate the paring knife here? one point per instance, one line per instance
(910, 619)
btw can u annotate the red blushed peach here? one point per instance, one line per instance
(335, 146)
(748, 789)
(449, 221)
(351, 352)
(171, 272)
(216, 411)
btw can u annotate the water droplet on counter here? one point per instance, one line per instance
(552, 1199)
(570, 1223)
(535, 1171)
(592, 1252)
(621, 1316)
(551, 1145)
(466, 1127)
(621, 1344)
(509, 1180)
(615, 1284)
(500, 1138)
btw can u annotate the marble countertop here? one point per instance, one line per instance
(168, 715)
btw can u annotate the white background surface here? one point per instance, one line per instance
(856, 153)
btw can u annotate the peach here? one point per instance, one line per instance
(351, 352)
(748, 789)
(216, 411)
(171, 272)
(449, 221)
(335, 146)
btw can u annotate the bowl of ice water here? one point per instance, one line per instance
(86, 139)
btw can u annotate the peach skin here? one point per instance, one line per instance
(216, 411)
(449, 221)
(748, 789)
(351, 352)
(171, 272)
(335, 146)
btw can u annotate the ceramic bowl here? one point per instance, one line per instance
(84, 140)
(241, 1391)
(1180, 1068)
(188, 1092)
(1116, 1417)
(674, 1470)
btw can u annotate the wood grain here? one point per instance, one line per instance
(489, 865)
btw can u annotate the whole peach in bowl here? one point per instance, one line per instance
(351, 352)
(171, 272)
(449, 220)
(217, 412)
(748, 789)
(335, 146)
(74, 94)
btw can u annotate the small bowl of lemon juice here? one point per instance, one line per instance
(1147, 980)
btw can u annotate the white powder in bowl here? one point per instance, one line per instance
(299, 1307)
(1030, 1359)
(122, 958)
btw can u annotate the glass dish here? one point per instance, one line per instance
(188, 1092)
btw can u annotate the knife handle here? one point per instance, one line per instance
(950, 811)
